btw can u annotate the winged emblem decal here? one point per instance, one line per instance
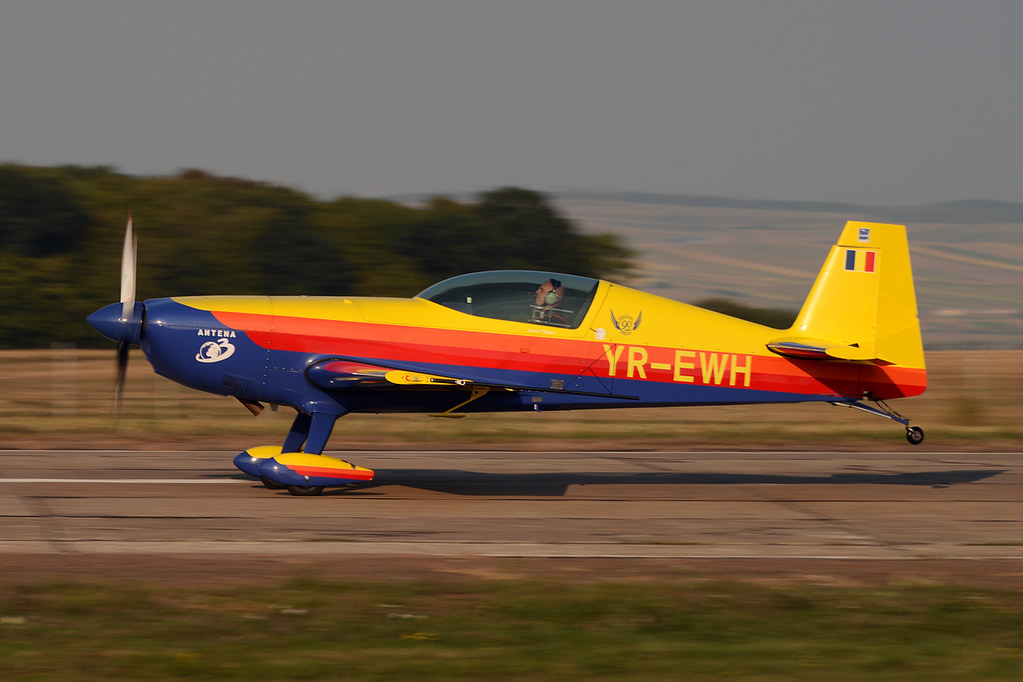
(626, 324)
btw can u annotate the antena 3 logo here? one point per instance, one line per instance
(215, 351)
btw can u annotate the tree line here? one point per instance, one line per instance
(61, 230)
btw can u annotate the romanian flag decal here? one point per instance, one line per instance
(859, 260)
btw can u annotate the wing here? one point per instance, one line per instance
(348, 373)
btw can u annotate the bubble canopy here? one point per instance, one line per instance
(512, 295)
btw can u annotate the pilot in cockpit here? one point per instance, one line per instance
(548, 297)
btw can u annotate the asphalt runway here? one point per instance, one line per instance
(900, 506)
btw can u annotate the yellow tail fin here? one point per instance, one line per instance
(863, 305)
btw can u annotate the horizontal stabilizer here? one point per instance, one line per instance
(817, 349)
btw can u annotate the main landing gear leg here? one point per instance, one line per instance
(299, 432)
(914, 434)
(321, 424)
(312, 431)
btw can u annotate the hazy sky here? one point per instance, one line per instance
(864, 101)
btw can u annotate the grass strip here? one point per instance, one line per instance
(511, 630)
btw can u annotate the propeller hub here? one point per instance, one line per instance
(111, 323)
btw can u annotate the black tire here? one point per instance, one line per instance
(304, 490)
(915, 435)
(270, 484)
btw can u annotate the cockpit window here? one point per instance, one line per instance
(539, 297)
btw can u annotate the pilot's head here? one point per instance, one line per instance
(549, 293)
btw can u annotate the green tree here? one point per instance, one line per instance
(368, 233)
(448, 239)
(61, 230)
(38, 216)
(533, 235)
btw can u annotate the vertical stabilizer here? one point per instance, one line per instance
(863, 300)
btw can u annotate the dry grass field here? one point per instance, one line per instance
(64, 398)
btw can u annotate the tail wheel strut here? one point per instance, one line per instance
(914, 434)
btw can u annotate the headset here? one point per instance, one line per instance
(551, 298)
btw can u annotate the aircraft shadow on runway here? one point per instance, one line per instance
(460, 482)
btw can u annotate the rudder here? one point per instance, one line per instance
(863, 300)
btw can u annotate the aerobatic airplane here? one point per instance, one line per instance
(514, 340)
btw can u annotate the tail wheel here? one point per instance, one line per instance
(915, 435)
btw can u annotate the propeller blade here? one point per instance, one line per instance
(122, 371)
(128, 257)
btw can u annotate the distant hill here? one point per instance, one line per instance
(966, 211)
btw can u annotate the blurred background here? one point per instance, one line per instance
(707, 152)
